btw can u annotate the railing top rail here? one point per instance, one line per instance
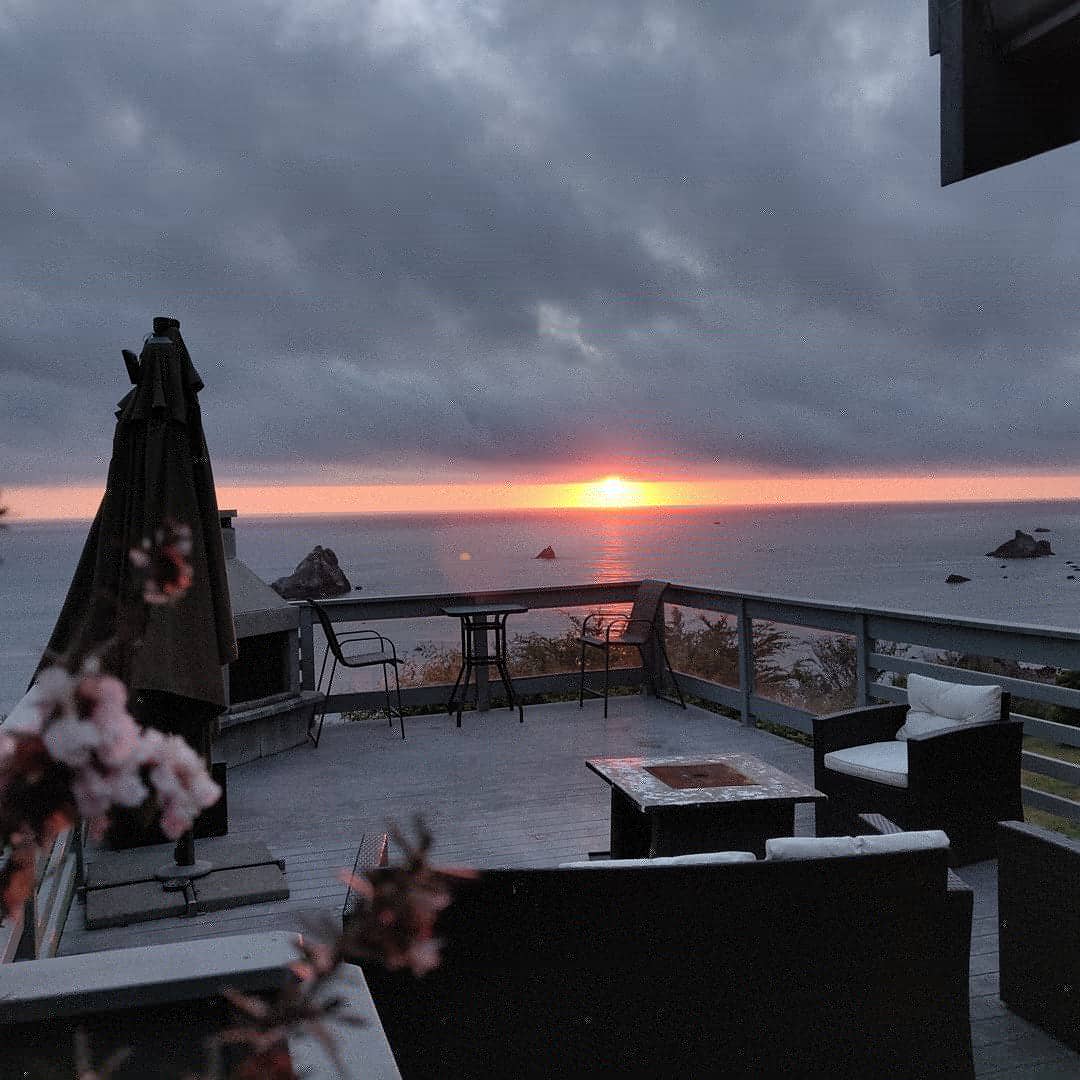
(996, 625)
(552, 592)
(480, 594)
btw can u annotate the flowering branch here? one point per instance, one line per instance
(84, 1068)
(394, 926)
(71, 749)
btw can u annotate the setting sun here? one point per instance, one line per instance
(613, 491)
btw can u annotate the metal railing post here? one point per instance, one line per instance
(745, 637)
(307, 649)
(863, 648)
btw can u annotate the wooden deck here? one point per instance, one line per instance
(500, 793)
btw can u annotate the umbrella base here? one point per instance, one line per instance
(124, 887)
(172, 875)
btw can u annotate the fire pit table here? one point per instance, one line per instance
(681, 805)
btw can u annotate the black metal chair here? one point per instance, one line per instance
(962, 780)
(607, 630)
(386, 656)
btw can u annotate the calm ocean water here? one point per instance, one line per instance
(886, 556)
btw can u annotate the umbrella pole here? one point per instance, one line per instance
(185, 849)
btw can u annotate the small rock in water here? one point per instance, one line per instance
(1040, 529)
(547, 553)
(956, 579)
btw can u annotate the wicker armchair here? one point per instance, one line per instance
(962, 780)
(1039, 927)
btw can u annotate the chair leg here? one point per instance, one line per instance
(386, 687)
(671, 675)
(457, 683)
(322, 715)
(581, 682)
(607, 676)
(401, 714)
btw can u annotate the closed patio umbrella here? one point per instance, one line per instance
(160, 470)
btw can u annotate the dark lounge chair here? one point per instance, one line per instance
(962, 777)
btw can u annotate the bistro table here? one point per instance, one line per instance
(483, 646)
(682, 805)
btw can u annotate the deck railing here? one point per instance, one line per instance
(875, 631)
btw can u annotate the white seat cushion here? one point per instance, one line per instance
(936, 705)
(882, 762)
(705, 858)
(791, 848)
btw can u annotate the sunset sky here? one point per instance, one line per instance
(458, 255)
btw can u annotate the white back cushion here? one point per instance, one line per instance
(792, 848)
(705, 858)
(968, 704)
(935, 705)
(922, 723)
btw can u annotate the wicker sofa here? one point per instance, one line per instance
(845, 966)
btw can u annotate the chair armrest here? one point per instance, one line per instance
(1039, 927)
(600, 615)
(1031, 837)
(979, 753)
(995, 729)
(350, 637)
(856, 727)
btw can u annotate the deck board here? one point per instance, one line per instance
(499, 793)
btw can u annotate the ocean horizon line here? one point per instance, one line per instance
(14, 521)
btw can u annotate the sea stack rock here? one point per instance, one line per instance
(547, 553)
(1022, 546)
(317, 577)
(956, 579)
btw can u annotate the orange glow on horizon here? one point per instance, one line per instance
(58, 503)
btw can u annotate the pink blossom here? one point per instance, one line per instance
(163, 564)
(71, 740)
(91, 793)
(83, 724)
(183, 787)
(52, 694)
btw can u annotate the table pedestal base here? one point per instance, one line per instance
(685, 830)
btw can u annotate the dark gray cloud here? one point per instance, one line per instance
(421, 239)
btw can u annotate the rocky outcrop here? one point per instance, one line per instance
(1022, 546)
(547, 553)
(956, 579)
(317, 577)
